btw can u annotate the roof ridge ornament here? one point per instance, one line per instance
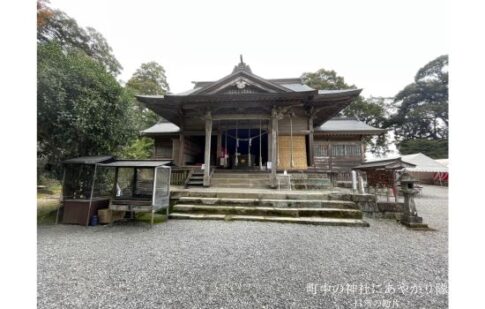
(241, 67)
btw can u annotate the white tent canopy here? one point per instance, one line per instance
(424, 164)
(443, 161)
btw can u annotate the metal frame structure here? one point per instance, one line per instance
(134, 204)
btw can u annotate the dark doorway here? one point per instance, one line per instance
(248, 156)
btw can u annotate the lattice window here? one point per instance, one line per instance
(321, 150)
(346, 150)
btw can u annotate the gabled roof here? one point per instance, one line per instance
(244, 90)
(348, 126)
(294, 84)
(241, 77)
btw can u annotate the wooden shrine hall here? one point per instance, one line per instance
(245, 122)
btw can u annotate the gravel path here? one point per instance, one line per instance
(216, 264)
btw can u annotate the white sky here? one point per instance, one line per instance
(376, 44)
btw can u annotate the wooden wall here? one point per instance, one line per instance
(337, 154)
(299, 152)
(299, 122)
(163, 148)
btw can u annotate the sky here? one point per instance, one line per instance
(378, 45)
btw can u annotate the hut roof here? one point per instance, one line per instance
(88, 160)
(395, 163)
(136, 163)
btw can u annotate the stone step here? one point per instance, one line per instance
(240, 176)
(268, 202)
(257, 194)
(268, 211)
(240, 184)
(195, 183)
(238, 180)
(301, 220)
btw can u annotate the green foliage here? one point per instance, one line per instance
(149, 79)
(82, 110)
(55, 25)
(325, 79)
(423, 105)
(372, 111)
(140, 148)
(436, 149)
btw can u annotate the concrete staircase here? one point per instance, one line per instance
(254, 179)
(304, 208)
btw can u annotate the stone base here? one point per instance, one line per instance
(413, 222)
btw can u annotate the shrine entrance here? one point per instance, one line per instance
(244, 145)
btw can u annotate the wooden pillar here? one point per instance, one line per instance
(236, 159)
(268, 134)
(310, 142)
(274, 150)
(260, 157)
(181, 157)
(219, 147)
(291, 141)
(207, 153)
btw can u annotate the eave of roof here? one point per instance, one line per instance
(136, 163)
(345, 126)
(161, 128)
(395, 163)
(89, 160)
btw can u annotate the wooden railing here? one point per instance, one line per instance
(179, 176)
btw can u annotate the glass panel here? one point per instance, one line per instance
(161, 196)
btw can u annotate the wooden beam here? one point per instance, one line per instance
(240, 117)
(207, 153)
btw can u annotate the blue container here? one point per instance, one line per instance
(94, 220)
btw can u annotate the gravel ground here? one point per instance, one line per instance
(216, 264)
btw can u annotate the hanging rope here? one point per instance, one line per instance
(246, 139)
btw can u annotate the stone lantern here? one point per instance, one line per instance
(410, 216)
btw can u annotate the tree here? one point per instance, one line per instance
(372, 111)
(55, 25)
(43, 13)
(422, 112)
(436, 149)
(325, 80)
(81, 108)
(149, 79)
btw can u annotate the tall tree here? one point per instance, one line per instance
(325, 80)
(57, 25)
(81, 108)
(372, 111)
(422, 112)
(149, 79)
